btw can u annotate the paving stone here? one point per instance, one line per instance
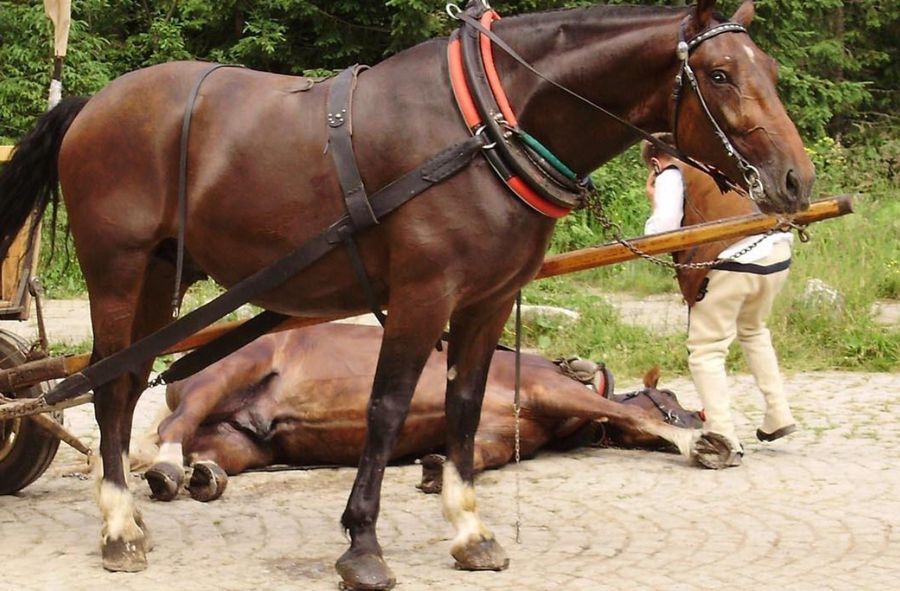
(817, 510)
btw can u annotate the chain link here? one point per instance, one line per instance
(516, 411)
(594, 204)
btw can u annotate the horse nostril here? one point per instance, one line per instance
(792, 184)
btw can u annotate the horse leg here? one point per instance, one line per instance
(489, 453)
(473, 335)
(123, 540)
(123, 310)
(405, 348)
(574, 400)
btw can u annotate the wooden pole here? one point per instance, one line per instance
(684, 238)
(34, 372)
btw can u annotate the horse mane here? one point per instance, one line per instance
(603, 10)
(609, 12)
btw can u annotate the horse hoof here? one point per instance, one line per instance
(208, 481)
(481, 554)
(364, 572)
(432, 474)
(715, 452)
(121, 556)
(165, 480)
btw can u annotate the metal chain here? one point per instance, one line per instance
(595, 205)
(517, 407)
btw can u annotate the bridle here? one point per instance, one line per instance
(669, 416)
(683, 50)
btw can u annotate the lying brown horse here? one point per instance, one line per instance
(259, 183)
(299, 397)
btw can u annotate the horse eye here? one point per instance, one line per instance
(718, 76)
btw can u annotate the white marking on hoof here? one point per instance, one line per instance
(170, 453)
(461, 509)
(683, 439)
(117, 508)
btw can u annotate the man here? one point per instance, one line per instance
(733, 299)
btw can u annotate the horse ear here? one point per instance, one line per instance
(744, 14)
(651, 378)
(704, 14)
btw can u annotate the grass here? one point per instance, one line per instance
(858, 255)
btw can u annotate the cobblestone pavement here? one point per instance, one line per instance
(818, 510)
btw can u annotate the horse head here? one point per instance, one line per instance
(661, 401)
(728, 88)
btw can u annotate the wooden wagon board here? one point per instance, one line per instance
(17, 268)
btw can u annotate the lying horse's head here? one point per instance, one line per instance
(726, 81)
(661, 402)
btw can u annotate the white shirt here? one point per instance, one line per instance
(668, 213)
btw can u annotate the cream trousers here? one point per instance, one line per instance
(737, 305)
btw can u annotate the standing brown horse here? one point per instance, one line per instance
(259, 184)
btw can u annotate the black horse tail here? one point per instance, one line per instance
(29, 181)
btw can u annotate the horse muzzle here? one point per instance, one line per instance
(787, 190)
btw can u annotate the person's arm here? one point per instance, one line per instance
(668, 203)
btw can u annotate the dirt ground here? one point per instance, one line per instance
(817, 510)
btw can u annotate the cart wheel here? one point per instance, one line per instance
(26, 450)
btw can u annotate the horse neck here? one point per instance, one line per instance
(622, 58)
(705, 202)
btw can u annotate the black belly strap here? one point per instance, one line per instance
(753, 268)
(340, 144)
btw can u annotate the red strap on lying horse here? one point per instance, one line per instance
(473, 120)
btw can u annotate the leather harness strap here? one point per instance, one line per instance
(182, 181)
(485, 109)
(340, 144)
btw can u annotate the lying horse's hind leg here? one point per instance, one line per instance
(410, 335)
(473, 336)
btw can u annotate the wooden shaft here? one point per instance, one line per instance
(34, 372)
(28, 374)
(683, 238)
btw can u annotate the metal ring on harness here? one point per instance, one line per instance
(479, 131)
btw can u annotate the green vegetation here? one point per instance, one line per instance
(858, 255)
(839, 72)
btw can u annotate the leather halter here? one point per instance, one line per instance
(526, 167)
(668, 415)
